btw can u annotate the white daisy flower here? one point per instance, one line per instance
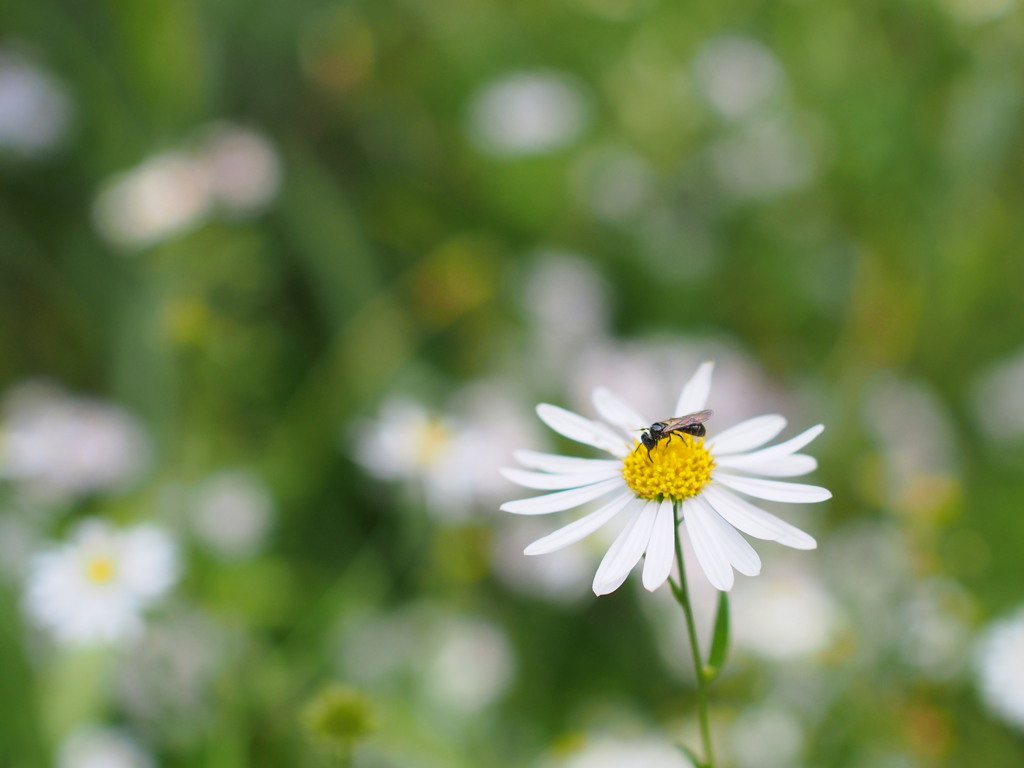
(95, 587)
(704, 477)
(59, 446)
(232, 513)
(94, 746)
(452, 457)
(1000, 668)
(608, 751)
(35, 111)
(528, 113)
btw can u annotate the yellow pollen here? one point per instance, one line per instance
(679, 468)
(99, 570)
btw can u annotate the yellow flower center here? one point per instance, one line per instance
(433, 438)
(678, 468)
(99, 569)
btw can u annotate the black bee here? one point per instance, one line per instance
(692, 424)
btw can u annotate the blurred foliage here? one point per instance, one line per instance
(393, 258)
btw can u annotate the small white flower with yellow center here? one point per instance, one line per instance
(95, 587)
(701, 475)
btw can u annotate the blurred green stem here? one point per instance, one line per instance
(703, 679)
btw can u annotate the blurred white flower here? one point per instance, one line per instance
(231, 513)
(998, 405)
(766, 737)
(785, 615)
(491, 426)
(453, 459)
(403, 442)
(763, 158)
(174, 192)
(243, 168)
(100, 747)
(58, 446)
(166, 195)
(603, 751)
(1000, 668)
(408, 443)
(35, 111)
(468, 664)
(528, 113)
(94, 587)
(691, 482)
(737, 75)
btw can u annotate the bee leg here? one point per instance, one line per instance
(649, 455)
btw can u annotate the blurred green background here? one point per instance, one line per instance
(327, 255)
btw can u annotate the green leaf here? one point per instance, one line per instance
(720, 639)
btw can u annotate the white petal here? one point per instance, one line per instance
(614, 410)
(694, 396)
(792, 465)
(582, 430)
(755, 521)
(794, 444)
(627, 548)
(712, 559)
(742, 515)
(661, 549)
(773, 490)
(794, 538)
(578, 530)
(737, 549)
(556, 502)
(149, 561)
(777, 460)
(746, 435)
(542, 481)
(550, 462)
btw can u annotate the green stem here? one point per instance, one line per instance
(703, 681)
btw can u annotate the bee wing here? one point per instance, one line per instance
(688, 421)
